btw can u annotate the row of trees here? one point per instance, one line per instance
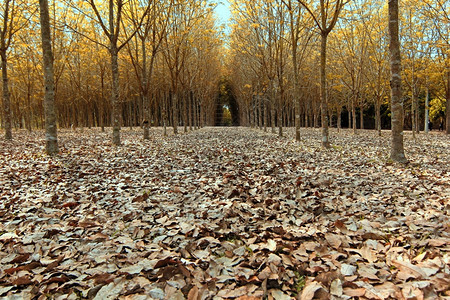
(115, 63)
(278, 50)
(143, 62)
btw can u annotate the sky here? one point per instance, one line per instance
(223, 12)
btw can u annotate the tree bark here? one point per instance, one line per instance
(190, 103)
(413, 112)
(145, 98)
(280, 122)
(378, 114)
(361, 116)
(6, 97)
(296, 94)
(175, 112)
(195, 114)
(49, 97)
(272, 117)
(397, 148)
(448, 102)
(339, 118)
(323, 94)
(115, 103)
(427, 109)
(260, 112)
(6, 36)
(266, 117)
(185, 117)
(354, 113)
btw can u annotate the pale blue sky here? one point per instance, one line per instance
(223, 11)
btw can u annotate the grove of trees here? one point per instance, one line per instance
(357, 76)
(289, 63)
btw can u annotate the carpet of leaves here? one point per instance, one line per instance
(224, 213)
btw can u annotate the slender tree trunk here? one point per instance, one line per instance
(307, 111)
(427, 109)
(297, 101)
(29, 113)
(272, 107)
(185, 121)
(147, 118)
(260, 112)
(200, 111)
(195, 113)
(190, 110)
(145, 98)
(339, 118)
(102, 101)
(164, 113)
(397, 148)
(323, 94)
(272, 117)
(349, 115)
(266, 116)
(448, 102)
(6, 97)
(130, 114)
(378, 114)
(413, 113)
(255, 122)
(354, 113)
(49, 97)
(361, 117)
(115, 103)
(280, 122)
(417, 114)
(175, 112)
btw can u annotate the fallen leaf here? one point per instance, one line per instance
(310, 290)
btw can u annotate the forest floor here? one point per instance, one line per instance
(218, 213)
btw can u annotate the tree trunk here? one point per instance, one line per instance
(272, 107)
(175, 112)
(361, 117)
(427, 110)
(323, 94)
(260, 112)
(266, 116)
(339, 118)
(195, 113)
(413, 113)
(6, 97)
(355, 95)
(280, 123)
(397, 148)
(185, 121)
(115, 104)
(49, 97)
(272, 117)
(349, 115)
(316, 119)
(190, 110)
(164, 113)
(145, 99)
(378, 114)
(448, 102)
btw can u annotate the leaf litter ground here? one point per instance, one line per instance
(224, 213)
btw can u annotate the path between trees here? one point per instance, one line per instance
(224, 213)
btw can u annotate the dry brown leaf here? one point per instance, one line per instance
(359, 292)
(310, 290)
(408, 270)
(193, 293)
(334, 240)
(368, 254)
